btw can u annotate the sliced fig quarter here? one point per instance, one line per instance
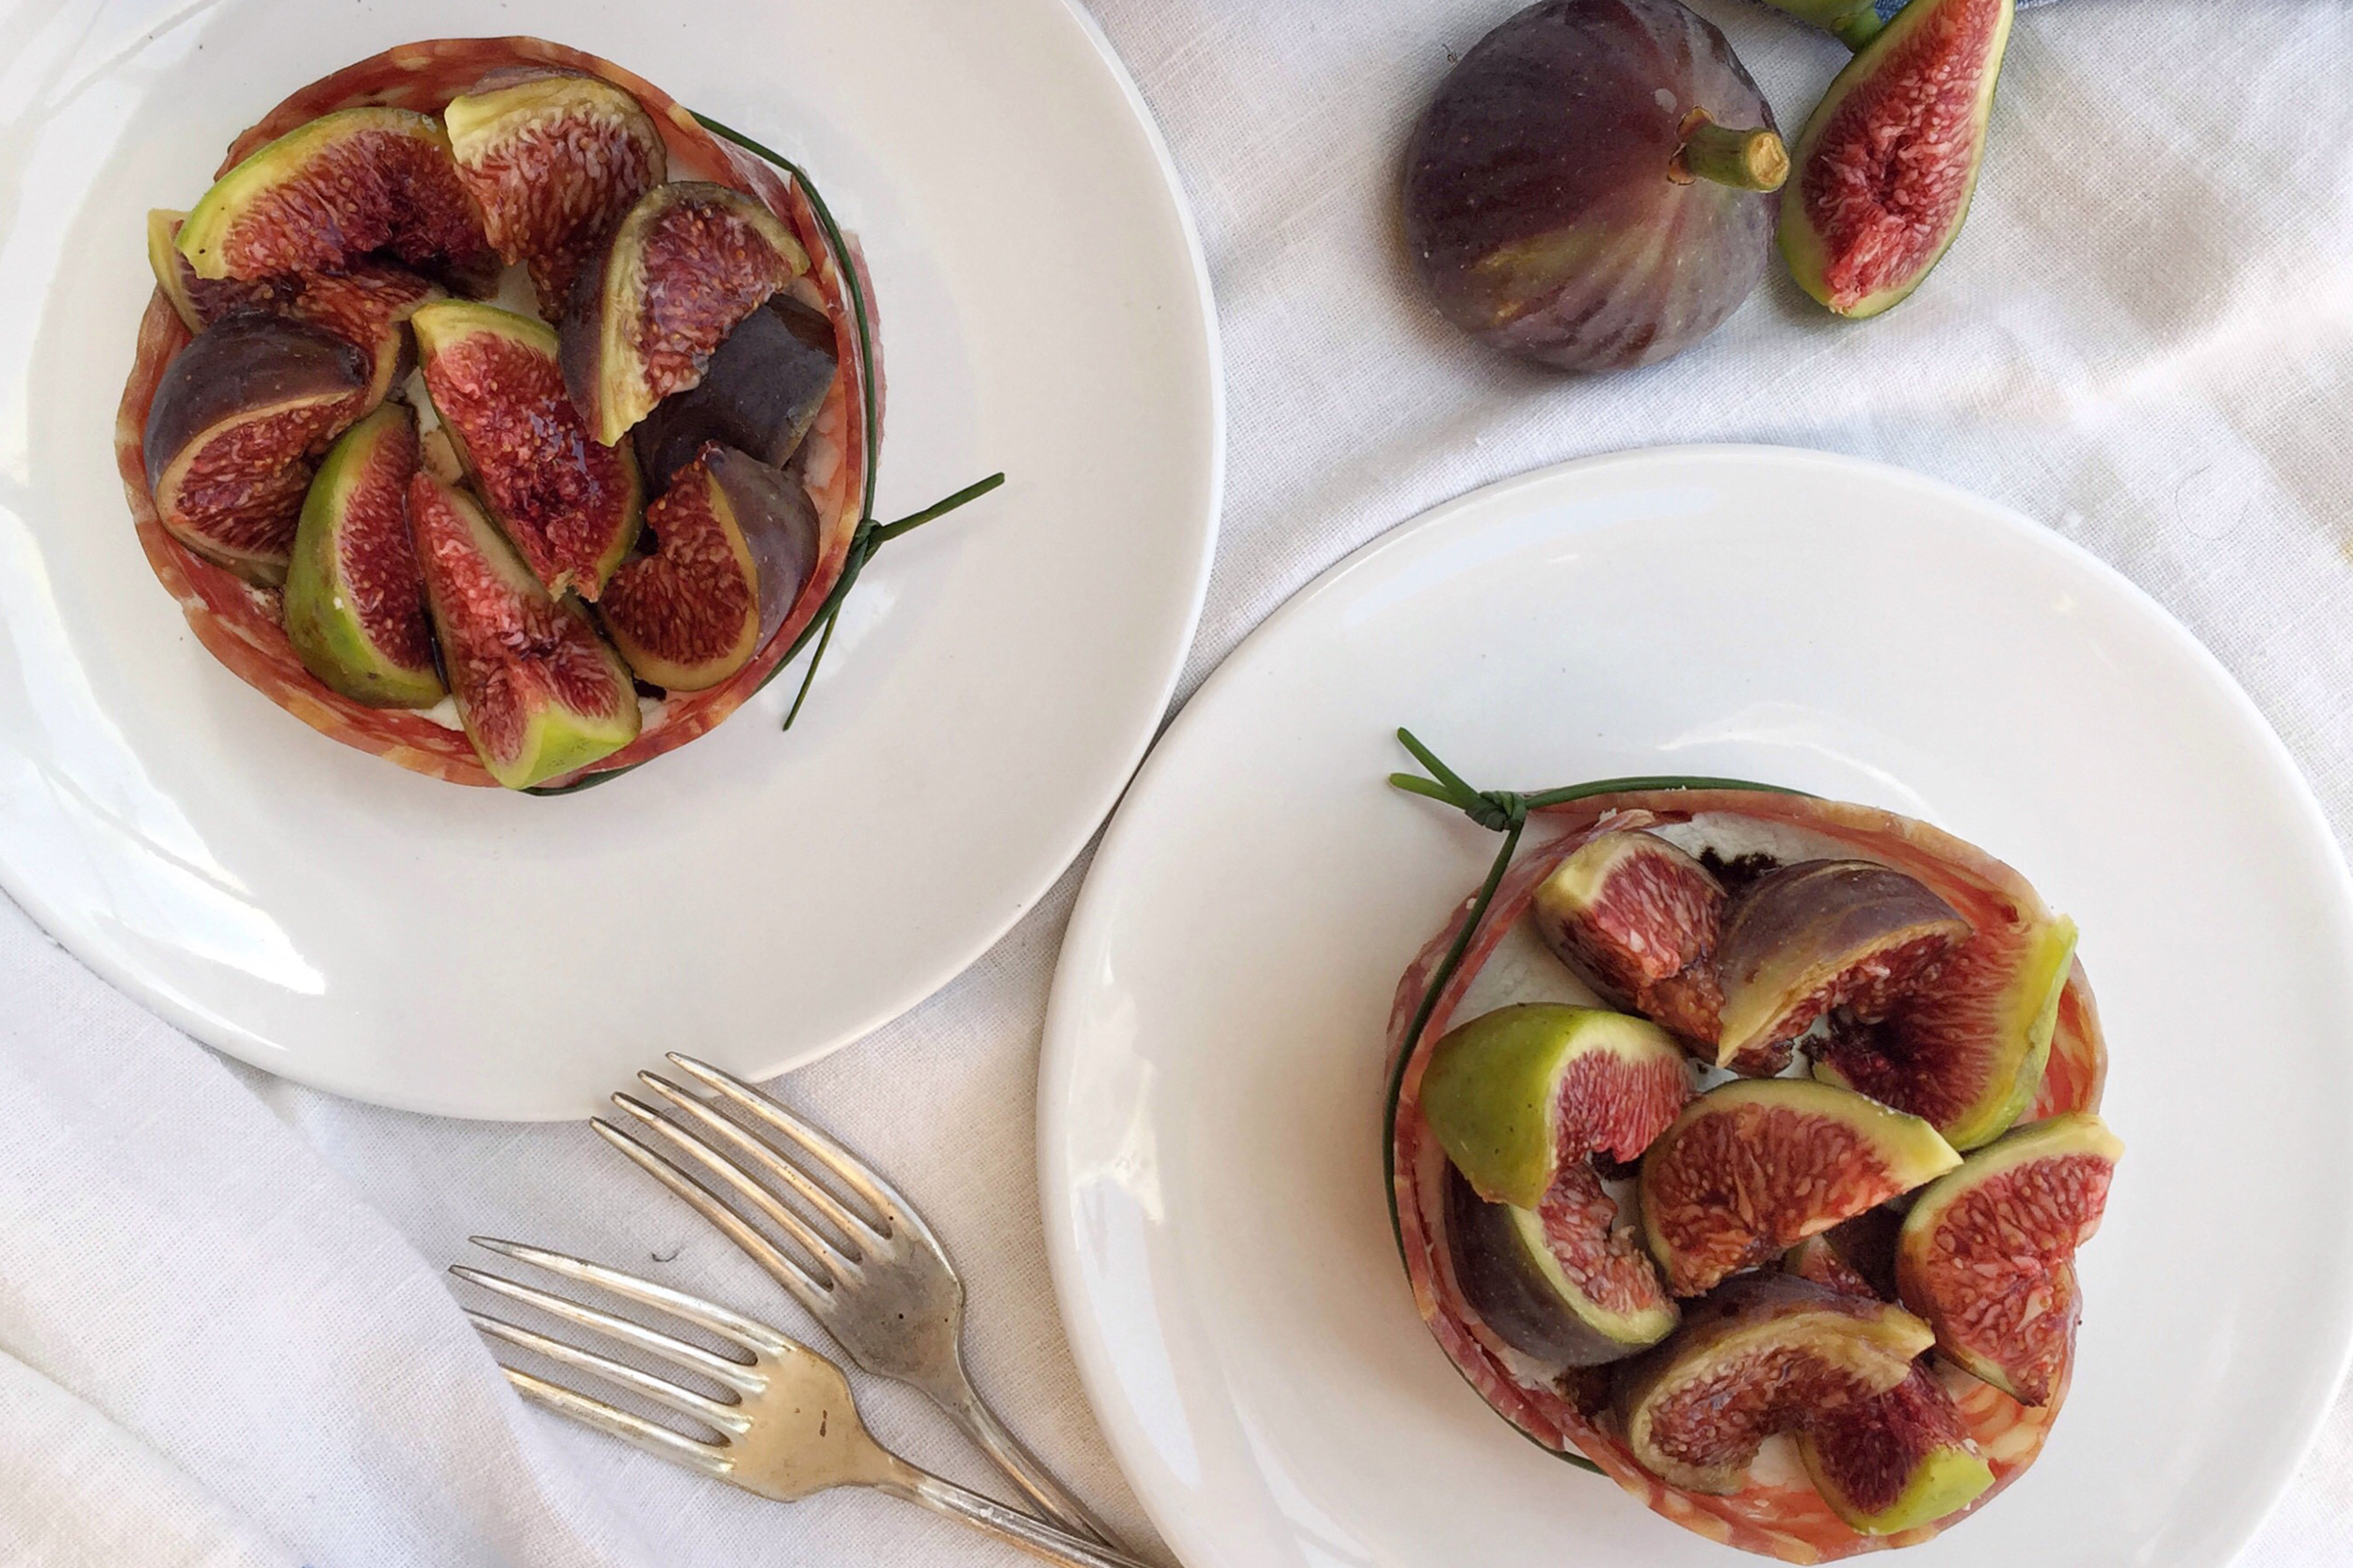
(1754, 1167)
(1987, 1254)
(355, 600)
(1515, 1095)
(1638, 919)
(540, 694)
(1851, 934)
(734, 540)
(200, 301)
(1564, 1282)
(1888, 162)
(760, 395)
(329, 191)
(235, 432)
(688, 263)
(572, 506)
(1767, 1354)
(553, 159)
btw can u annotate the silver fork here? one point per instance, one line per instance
(788, 1426)
(881, 1284)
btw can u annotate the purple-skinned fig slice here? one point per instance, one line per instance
(540, 694)
(1765, 1355)
(1888, 162)
(689, 262)
(760, 395)
(239, 421)
(331, 190)
(1987, 1254)
(734, 540)
(1805, 938)
(355, 599)
(1638, 919)
(1566, 1282)
(553, 159)
(1754, 1166)
(572, 505)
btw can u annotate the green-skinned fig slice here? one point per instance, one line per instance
(1516, 1095)
(1987, 1254)
(1753, 1167)
(1767, 1354)
(1638, 919)
(540, 694)
(1805, 938)
(760, 395)
(1567, 1282)
(239, 421)
(689, 262)
(734, 541)
(572, 505)
(355, 600)
(328, 192)
(1888, 162)
(553, 159)
(1737, 832)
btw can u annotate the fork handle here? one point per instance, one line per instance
(965, 1406)
(1011, 1526)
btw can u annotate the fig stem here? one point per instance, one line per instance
(1755, 159)
(1853, 22)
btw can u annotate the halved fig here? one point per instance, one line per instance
(572, 506)
(1516, 1095)
(1566, 1282)
(354, 601)
(760, 395)
(734, 541)
(328, 192)
(1851, 934)
(1767, 1354)
(1638, 918)
(1890, 158)
(1987, 1254)
(688, 263)
(553, 159)
(1754, 1167)
(235, 431)
(540, 694)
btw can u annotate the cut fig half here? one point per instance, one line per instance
(328, 192)
(239, 419)
(760, 395)
(1566, 1283)
(553, 159)
(1516, 1095)
(572, 506)
(689, 262)
(1804, 939)
(1638, 919)
(734, 540)
(1987, 1254)
(1889, 160)
(1768, 1353)
(355, 600)
(1754, 1167)
(539, 693)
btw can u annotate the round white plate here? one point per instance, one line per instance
(1209, 1119)
(756, 897)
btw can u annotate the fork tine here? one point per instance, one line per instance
(651, 1436)
(842, 1264)
(853, 1172)
(710, 1317)
(806, 1287)
(694, 1359)
(767, 1159)
(711, 1413)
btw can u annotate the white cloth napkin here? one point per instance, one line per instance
(224, 1334)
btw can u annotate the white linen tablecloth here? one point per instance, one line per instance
(224, 1334)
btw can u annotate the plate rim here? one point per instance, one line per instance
(1059, 1043)
(247, 1046)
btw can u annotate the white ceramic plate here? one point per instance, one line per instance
(759, 897)
(1210, 1105)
